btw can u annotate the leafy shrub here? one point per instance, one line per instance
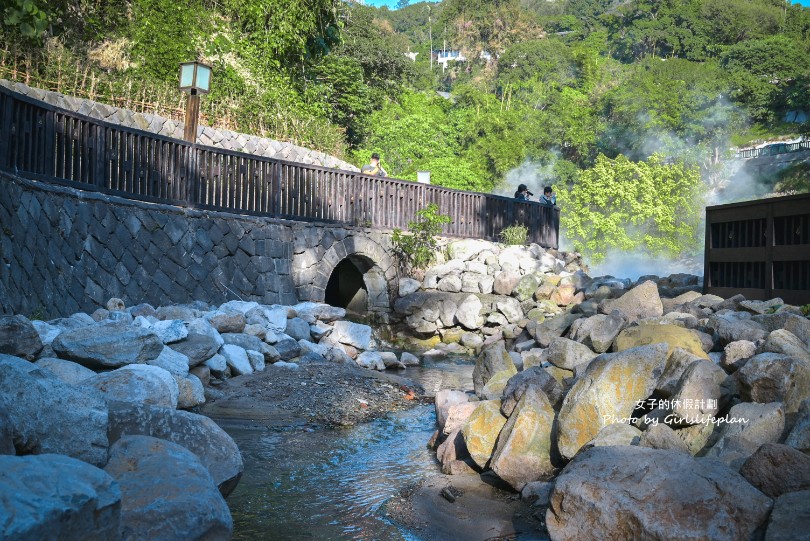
(25, 16)
(416, 249)
(514, 235)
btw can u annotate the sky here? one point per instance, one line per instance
(393, 3)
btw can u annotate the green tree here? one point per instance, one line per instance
(30, 18)
(547, 60)
(765, 72)
(417, 248)
(624, 205)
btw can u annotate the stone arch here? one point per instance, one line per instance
(367, 255)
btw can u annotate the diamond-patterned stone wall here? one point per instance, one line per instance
(63, 251)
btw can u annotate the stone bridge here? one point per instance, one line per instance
(64, 250)
(92, 208)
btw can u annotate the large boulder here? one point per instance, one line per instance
(773, 377)
(371, 360)
(568, 354)
(526, 286)
(746, 427)
(319, 310)
(107, 346)
(678, 362)
(551, 328)
(197, 433)
(136, 383)
(495, 385)
(777, 469)
(699, 394)
(167, 493)
(57, 497)
(353, 334)
(673, 335)
(67, 371)
(482, 429)
(790, 518)
(466, 249)
(799, 437)
(192, 392)
(437, 272)
(736, 354)
(169, 330)
(227, 320)
(532, 377)
(198, 347)
(510, 308)
(287, 348)
(735, 326)
(468, 313)
(661, 436)
(46, 331)
(492, 360)
(49, 416)
(408, 286)
(253, 343)
(640, 302)
(505, 282)
(237, 359)
(446, 398)
(598, 331)
(523, 451)
(608, 392)
(296, 328)
(172, 361)
(796, 324)
(452, 451)
(615, 434)
(640, 493)
(457, 416)
(19, 337)
(787, 343)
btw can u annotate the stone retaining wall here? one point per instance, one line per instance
(64, 250)
(214, 137)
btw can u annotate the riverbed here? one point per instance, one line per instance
(301, 483)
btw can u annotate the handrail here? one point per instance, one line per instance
(773, 149)
(52, 144)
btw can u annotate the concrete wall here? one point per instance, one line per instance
(218, 138)
(64, 250)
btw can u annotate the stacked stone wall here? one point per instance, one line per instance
(63, 251)
(206, 135)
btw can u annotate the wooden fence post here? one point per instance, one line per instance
(5, 130)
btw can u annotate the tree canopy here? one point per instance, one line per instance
(652, 90)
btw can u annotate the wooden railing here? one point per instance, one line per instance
(773, 150)
(760, 249)
(55, 145)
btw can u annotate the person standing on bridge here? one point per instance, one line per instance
(548, 197)
(523, 193)
(374, 168)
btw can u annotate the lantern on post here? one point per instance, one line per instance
(195, 79)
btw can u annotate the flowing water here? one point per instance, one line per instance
(330, 484)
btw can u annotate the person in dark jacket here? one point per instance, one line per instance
(523, 193)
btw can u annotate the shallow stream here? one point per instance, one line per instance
(330, 484)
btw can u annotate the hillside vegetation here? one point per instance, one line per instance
(572, 86)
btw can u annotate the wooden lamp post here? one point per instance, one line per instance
(195, 79)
